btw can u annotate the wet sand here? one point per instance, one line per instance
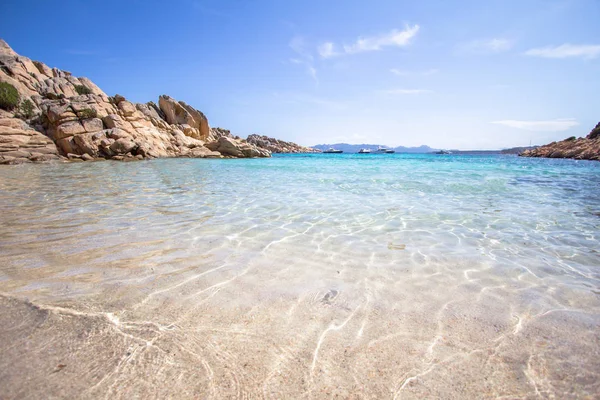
(237, 330)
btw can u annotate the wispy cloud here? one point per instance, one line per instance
(407, 91)
(312, 71)
(298, 45)
(394, 38)
(326, 50)
(587, 51)
(426, 72)
(494, 45)
(553, 125)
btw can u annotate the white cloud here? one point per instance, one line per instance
(312, 71)
(298, 45)
(327, 50)
(586, 51)
(426, 72)
(407, 91)
(498, 45)
(495, 45)
(394, 38)
(399, 72)
(554, 125)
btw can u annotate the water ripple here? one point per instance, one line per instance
(313, 276)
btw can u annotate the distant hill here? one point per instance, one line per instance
(518, 150)
(354, 148)
(512, 150)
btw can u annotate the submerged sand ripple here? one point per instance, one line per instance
(292, 295)
(223, 332)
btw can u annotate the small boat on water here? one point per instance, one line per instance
(383, 150)
(331, 150)
(443, 152)
(364, 151)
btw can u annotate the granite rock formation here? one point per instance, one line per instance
(587, 148)
(20, 143)
(231, 147)
(59, 116)
(278, 146)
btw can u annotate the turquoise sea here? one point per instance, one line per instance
(302, 276)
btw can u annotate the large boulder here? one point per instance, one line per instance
(179, 113)
(20, 143)
(236, 148)
(123, 146)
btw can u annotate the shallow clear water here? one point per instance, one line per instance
(391, 276)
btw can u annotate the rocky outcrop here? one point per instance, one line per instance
(191, 121)
(278, 146)
(104, 127)
(587, 148)
(75, 120)
(237, 148)
(216, 133)
(595, 133)
(20, 144)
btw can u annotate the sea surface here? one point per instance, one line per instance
(301, 276)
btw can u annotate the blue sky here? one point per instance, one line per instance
(449, 74)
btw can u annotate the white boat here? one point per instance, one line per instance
(364, 151)
(331, 150)
(383, 150)
(443, 152)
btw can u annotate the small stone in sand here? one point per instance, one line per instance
(392, 246)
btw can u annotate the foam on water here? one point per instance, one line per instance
(391, 276)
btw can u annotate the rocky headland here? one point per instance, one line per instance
(278, 146)
(587, 148)
(47, 114)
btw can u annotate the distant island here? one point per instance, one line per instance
(423, 149)
(354, 148)
(512, 150)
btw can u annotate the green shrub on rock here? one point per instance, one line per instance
(26, 109)
(87, 113)
(81, 89)
(9, 96)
